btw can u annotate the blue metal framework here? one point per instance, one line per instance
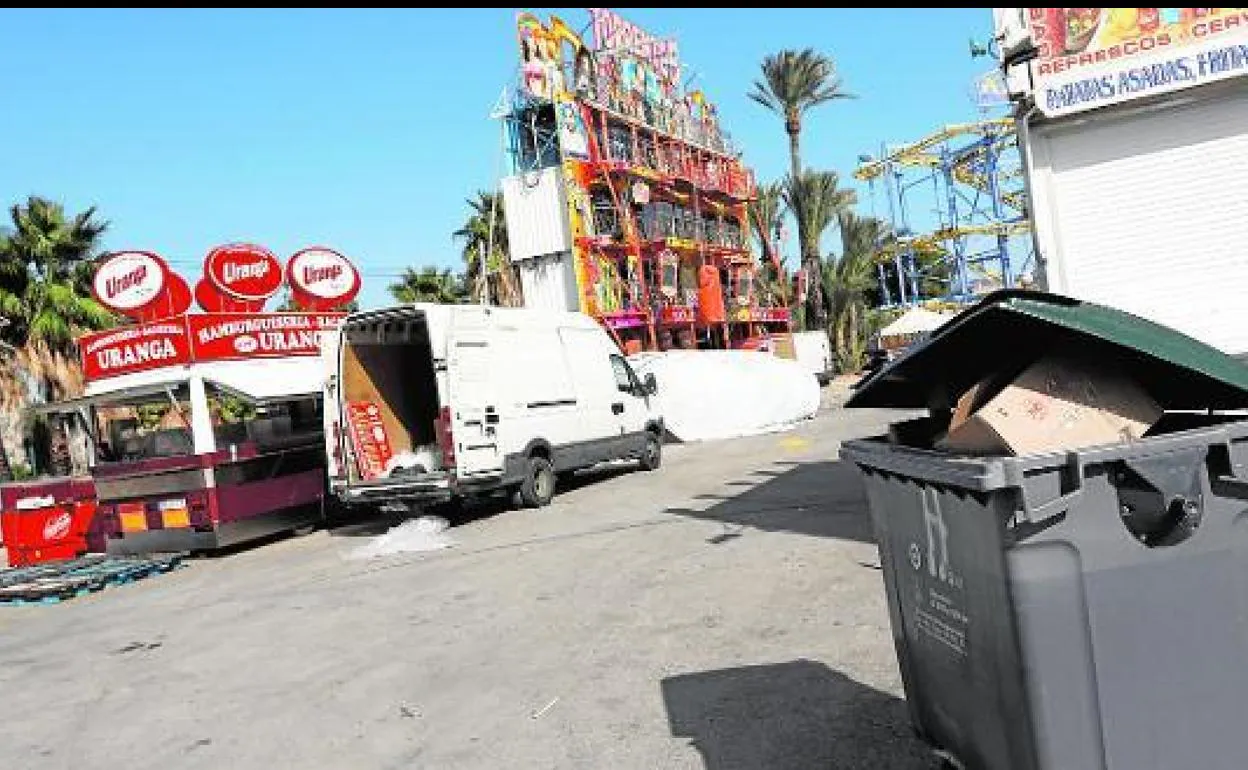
(958, 213)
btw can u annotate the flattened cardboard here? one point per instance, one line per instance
(1058, 403)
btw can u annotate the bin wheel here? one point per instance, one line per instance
(538, 486)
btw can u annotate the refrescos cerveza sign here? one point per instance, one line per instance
(1095, 57)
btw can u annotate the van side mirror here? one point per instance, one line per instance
(650, 384)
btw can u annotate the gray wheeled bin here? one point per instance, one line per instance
(1079, 610)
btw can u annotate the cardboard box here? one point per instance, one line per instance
(1058, 403)
(782, 346)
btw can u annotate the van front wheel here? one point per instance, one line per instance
(538, 486)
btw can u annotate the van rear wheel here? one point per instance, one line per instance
(538, 486)
(651, 454)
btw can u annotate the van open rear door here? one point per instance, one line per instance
(331, 409)
(473, 389)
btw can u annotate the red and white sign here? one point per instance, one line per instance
(134, 349)
(238, 279)
(213, 300)
(173, 300)
(56, 526)
(321, 278)
(203, 338)
(128, 281)
(224, 336)
(244, 270)
(368, 434)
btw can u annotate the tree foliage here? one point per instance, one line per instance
(45, 268)
(490, 274)
(848, 281)
(792, 83)
(816, 200)
(428, 284)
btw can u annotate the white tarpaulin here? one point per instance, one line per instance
(715, 394)
(915, 321)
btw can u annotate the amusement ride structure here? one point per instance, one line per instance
(958, 210)
(625, 199)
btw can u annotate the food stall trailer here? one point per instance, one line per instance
(205, 430)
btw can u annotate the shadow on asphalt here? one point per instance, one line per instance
(791, 716)
(378, 522)
(823, 499)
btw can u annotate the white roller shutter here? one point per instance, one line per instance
(1146, 210)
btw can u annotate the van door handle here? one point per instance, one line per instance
(617, 407)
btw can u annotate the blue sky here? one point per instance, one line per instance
(365, 130)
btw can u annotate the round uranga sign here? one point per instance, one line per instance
(323, 274)
(128, 280)
(244, 270)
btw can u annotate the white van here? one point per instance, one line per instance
(429, 403)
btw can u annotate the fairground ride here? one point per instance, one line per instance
(958, 214)
(624, 198)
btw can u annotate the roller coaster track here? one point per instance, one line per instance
(967, 166)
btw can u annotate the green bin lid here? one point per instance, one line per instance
(1008, 330)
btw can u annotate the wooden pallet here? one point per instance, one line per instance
(58, 581)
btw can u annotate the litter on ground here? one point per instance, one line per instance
(427, 533)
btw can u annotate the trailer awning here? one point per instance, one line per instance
(257, 380)
(71, 405)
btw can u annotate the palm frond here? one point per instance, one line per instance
(429, 284)
(794, 81)
(44, 274)
(816, 200)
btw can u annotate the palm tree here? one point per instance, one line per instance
(766, 213)
(792, 83)
(848, 282)
(816, 200)
(428, 285)
(44, 261)
(490, 274)
(45, 264)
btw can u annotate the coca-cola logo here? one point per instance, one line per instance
(129, 280)
(323, 274)
(244, 270)
(57, 526)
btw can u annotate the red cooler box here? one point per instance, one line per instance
(46, 520)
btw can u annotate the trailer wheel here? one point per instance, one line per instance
(538, 486)
(651, 454)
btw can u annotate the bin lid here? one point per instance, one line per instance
(1011, 329)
